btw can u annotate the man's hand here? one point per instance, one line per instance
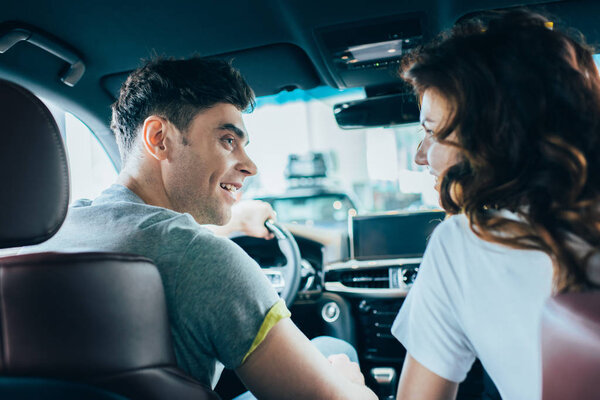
(350, 370)
(251, 216)
(248, 217)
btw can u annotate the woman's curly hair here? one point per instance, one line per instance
(525, 106)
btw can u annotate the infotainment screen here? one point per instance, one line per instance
(392, 235)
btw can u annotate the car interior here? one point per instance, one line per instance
(95, 325)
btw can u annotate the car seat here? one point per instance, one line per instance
(571, 347)
(72, 325)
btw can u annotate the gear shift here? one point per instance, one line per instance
(386, 381)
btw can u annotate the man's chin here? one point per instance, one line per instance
(222, 218)
(216, 217)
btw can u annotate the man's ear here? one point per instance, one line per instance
(154, 136)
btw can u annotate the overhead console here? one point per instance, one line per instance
(368, 53)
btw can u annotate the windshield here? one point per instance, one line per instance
(373, 166)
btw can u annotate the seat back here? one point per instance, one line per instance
(571, 347)
(33, 170)
(72, 321)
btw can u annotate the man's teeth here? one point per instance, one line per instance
(229, 187)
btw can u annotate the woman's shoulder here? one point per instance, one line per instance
(453, 226)
(457, 231)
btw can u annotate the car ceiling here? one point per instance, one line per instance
(273, 42)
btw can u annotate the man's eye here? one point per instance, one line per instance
(229, 141)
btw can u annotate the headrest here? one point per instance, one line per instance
(33, 169)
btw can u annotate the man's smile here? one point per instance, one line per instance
(231, 188)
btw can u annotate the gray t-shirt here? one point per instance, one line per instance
(217, 296)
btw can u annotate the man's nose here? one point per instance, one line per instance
(246, 165)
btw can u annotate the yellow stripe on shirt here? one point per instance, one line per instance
(278, 312)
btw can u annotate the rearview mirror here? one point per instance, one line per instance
(395, 109)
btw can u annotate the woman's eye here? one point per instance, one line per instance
(424, 131)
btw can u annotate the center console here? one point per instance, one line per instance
(386, 251)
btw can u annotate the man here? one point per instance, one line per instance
(182, 141)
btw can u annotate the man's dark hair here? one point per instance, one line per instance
(175, 90)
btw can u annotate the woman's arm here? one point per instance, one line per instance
(417, 382)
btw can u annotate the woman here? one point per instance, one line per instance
(511, 111)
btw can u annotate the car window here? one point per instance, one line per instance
(90, 167)
(326, 208)
(374, 165)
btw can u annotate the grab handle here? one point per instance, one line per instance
(77, 67)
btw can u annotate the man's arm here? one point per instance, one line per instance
(419, 383)
(287, 366)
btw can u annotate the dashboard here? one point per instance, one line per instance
(354, 280)
(385, 254)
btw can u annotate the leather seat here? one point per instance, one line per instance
(571, 347)
(73, 325)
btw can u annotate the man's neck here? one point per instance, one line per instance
(146, 188)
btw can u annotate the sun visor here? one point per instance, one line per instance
(368, 53)
(268, 70)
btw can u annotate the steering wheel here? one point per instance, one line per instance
(284, 278)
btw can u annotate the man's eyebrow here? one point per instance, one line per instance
(238, 132)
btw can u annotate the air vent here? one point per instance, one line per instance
(377, 278)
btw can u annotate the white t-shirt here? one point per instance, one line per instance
(474, 298)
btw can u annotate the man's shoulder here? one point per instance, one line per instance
(180, 231)
(217, 248)
(133, 224)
